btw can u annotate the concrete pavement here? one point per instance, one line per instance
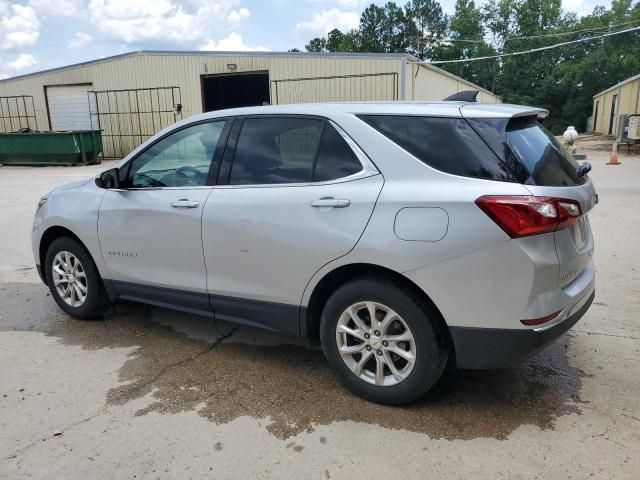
(150, 393)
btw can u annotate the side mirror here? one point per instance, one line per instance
(109, 179)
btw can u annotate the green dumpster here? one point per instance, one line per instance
(29, 147)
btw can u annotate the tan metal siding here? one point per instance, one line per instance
(184, 71)
(628, 103)
(376, 78)
(430, 85)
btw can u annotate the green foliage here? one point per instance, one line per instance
(563, 80)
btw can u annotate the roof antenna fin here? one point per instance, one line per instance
(463, 96)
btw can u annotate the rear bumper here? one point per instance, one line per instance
(479, 348)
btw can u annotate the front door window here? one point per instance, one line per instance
(182, 159)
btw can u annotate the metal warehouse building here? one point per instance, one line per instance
(608, 105)
(132, 96)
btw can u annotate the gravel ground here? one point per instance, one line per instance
(150, 393)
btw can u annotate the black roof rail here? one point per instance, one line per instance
(463, 96)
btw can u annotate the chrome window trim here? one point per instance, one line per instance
(146, 189)
(356, 176)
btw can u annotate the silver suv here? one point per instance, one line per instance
(401, 235)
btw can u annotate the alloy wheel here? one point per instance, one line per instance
(69, 279)
(376, 343)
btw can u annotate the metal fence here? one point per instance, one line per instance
(128, 117)
(17, 112)
(357, 87)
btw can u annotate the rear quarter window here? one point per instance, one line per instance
(446, 144)
(335, 158)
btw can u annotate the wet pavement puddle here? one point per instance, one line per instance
(289, 387)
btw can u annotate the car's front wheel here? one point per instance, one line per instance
(385, 343)
(74, 281)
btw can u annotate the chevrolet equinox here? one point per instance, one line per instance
(402, 236)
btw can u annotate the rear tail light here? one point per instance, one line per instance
(522, 216)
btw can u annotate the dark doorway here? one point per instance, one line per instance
(234, 90)
(614, 111)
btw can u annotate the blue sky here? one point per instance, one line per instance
(40, 34)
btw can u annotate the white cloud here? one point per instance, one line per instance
(22, 61)
(577, 6)
(236, 16)
(232, 43)
(58, 8)
(344, 3)
(160, 20)
(19, 26)
(352, 3)
(327, 20)
(80, 39)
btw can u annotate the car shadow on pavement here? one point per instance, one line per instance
(224, 372)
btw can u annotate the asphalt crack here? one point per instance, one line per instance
(141, 386)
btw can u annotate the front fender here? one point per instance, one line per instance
(76, 210)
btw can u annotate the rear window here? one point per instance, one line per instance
(530, 151)
(447, 144)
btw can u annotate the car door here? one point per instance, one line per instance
(150, 231)
(294, 194)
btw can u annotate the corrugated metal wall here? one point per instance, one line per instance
(628, 102)
(356, 87)
(184, 70)
(429, 83)
(298, 78)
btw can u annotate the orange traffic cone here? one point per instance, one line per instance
(614, 155)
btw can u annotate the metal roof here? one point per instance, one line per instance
(398, 56)
(618, 85)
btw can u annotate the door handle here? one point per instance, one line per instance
(184, 203)
(330, 202)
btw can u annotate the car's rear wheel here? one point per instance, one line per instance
(74, 281)
(385, 344)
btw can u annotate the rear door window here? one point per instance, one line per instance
(446, 144)
(275, 150)
(290, 150)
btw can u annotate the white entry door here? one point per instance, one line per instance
(70, 107)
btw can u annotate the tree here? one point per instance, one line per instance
(562, 80)
(372, 25)
(316, 45)
(426, 26)
(334, 40)
(466, 40)
(395, 31)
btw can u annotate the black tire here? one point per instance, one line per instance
(96, 302)
(431, 347)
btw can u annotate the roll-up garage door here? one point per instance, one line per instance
(69, 107)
